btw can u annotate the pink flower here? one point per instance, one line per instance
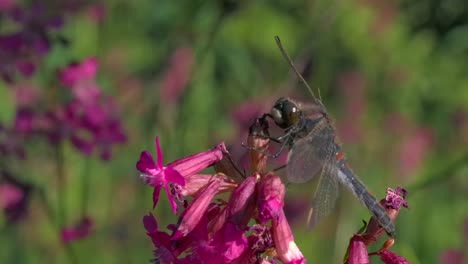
(270, 207)
(79, 77)
(414, 149)
(176, 77)
(76, 72)
(451, 256)
(357, 251)
(9, 195)
(14, 197)
(5, 5)
(156, 175)
(79, 231)
(211, 230)
(352, 86)
(196, 209)
(392, 203)
(271, 198)
(175, 172)
(396, 198)
(388, 257)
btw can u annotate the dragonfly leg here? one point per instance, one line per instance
(276, 155)
(280, 167)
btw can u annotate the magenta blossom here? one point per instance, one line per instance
(157, 175)
(248, 227)
(357, 249)
(357, 252)
(76, 232)
(176, 77)
(396, 198)
(14, 197)
(22, 48)
(9, 195)
(79, 77)
(89, 119)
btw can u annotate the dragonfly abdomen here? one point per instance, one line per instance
(346, 176)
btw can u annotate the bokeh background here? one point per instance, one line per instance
(393, 74)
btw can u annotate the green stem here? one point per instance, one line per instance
(50, 216)
(85, 188)
(60, 173)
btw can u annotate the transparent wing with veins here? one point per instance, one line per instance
(325, 197)
(310, 156)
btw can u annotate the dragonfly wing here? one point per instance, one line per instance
(309, 154)
(303, 162)
(325, 196)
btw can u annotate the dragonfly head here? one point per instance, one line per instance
(285, 112)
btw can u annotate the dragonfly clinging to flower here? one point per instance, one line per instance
(310, 136)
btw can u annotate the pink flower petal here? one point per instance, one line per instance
(170, 199)
(149, 222)
(194, 212)
(174, 176)
(156, 191)
(357, 252)
(158, 153)
(145, 163)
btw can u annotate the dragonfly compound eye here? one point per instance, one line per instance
(285, 113)
(277, 115)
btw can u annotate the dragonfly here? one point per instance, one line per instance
(310, 136)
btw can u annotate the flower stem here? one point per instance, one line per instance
(50, 216)
(85, 188)
(60, 171)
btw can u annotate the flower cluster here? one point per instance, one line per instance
(248, 227)
(89, 118)
(22, 49)
(357, 250)
(70, 107)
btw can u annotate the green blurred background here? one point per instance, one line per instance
(393, 74)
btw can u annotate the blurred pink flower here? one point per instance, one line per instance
(96, 12)
(26, 95)
(460, 122)
(296, 208)
(414, 149)
(89, 118)
(9, 195)
(352, 86)
(177, 75)
(76, 232)
(6, 5)
(79, 77)
(14, 197)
